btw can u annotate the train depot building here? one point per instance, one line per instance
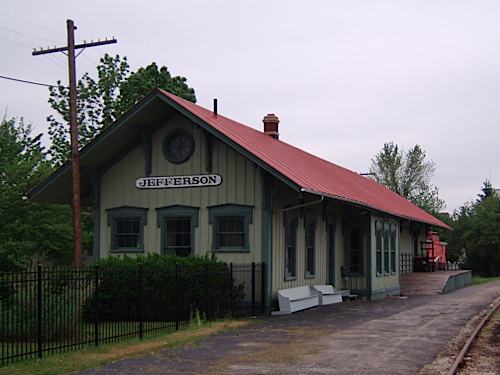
(172, 177)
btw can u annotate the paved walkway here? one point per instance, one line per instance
(393, 336)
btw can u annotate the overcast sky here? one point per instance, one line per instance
(343, 76)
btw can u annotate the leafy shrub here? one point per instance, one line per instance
(60, 311)
(171, 287)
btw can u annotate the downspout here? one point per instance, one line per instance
(269, 264)
(95, 176)
(369, 255)
(269, 189)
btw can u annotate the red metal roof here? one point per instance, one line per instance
(311, 173)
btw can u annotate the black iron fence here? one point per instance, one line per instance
(43, 311)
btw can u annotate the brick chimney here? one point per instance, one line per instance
(271, 122)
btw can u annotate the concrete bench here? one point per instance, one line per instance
(295, 299)
(327, 294)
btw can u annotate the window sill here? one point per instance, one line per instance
(231, 250)
(290, 278)
(309, 276)
(379, 274)
(114, 251)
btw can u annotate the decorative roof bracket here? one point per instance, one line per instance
(146, 134)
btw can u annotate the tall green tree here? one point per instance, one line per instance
(101, 102)
(482, 237)
(486, 191)
(475, 236)
(30, 232)
(139, 83)
(459, 220)
(408, 174)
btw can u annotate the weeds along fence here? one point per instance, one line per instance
(44, 311)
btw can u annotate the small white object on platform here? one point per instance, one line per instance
(295, 299)
(328, 295)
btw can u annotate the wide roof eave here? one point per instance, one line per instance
(437, 223)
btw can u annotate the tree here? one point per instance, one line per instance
(138, 84)
(487, 191)
(101, 102)
(29, 231)
(407, 174)
(482, 237)
(459, 220)
(476, 234)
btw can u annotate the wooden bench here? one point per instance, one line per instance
(327, 294)
(295, 299)
(347, 296)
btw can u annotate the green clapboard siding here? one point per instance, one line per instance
(285, 197)
(241, 185)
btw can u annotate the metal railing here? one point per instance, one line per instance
(44, 311)
(407, 264)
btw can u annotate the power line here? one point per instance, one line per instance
(47, 40)
(15, 42)
(41, 27)
(57, 61)
(32, 47)
(53, 59)
(88, 58)
(33, 24)
(25, 81)
(28, 35)
(31, 36)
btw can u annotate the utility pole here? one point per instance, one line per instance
(75, 160)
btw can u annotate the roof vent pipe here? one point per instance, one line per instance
(215, 106)
(271, 122)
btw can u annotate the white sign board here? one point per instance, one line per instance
(178, 181)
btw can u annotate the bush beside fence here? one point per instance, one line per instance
(43, 311)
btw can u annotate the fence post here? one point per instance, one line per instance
(39, 311)
(176, 297)
(96, 306)
(231, 288)
(206, 291)
(253, 288)
(263, 286)
(6, 280)
(141, 273)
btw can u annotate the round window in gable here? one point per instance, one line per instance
(178, 146)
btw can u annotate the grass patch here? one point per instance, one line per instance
(478, 280)
(64, 363)
(84, 335)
